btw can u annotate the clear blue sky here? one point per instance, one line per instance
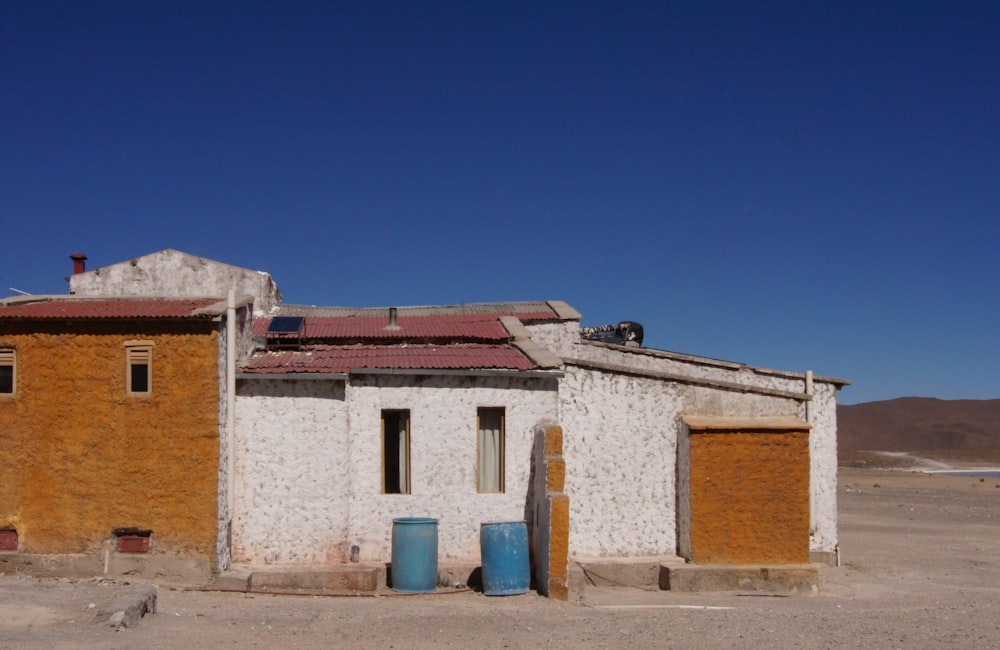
(792, 185)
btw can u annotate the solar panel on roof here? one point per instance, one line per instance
(285, 325)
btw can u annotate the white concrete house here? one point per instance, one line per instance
(317, 442)
(378, 421)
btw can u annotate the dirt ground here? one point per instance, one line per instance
(920, 568)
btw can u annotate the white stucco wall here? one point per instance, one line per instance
(619, 444)
(823, 459)
(292, 485)
(620, 428)
(173, 274)
(442, 456)
(309, 464)
(556, 337)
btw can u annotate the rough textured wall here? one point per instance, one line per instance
(691, 366)
(81, 458)
(591, 413)
(823, 458)
(620, 436)
(292, 486)
(749, 498)
(559, 337)
(443, 456)
(173, 274)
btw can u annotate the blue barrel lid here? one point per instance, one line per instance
(414, 520)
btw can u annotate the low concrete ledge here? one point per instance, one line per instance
(828, 558)
(346, 578)
(349, 578)
(778, 579)
(162, 569)
(623, 572)
(51, 566)
(231, 581)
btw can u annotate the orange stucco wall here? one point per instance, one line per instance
(750, 497)
(80, 458)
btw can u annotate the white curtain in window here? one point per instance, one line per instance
(404, 480)
(490, 450)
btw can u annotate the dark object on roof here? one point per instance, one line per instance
(285, 333)
(285, 325)
(624, 333)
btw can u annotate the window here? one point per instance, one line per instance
(7, 373)
(395, 452)
(491, 449)
(139, 367)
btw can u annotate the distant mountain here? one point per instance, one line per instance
(919, 424)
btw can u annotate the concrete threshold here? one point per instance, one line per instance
(622, 572)
(674, 574)
(353, 578)
(758, 578)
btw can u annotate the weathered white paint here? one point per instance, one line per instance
(173, 274)
(309, 456)
(619, 428)
(823, 459)
(619, 444)
(292, 460)
(309, 463)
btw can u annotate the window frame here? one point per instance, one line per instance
(501, 469)
(8, 359)
(138, 353)
(402, 482)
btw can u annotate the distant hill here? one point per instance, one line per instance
(919, 424)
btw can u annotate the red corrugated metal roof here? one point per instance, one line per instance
(108, 308)
(480, 327)
(343, 359)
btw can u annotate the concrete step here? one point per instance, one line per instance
(623, 572)
(674, 574)
(775, 579)
(339, 578)
(347, 578)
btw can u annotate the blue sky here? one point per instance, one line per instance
(791, 185)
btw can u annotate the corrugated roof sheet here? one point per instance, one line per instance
(344, 358)
(479, 327)
(111, 308)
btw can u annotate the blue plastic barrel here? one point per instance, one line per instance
(414, 554)
(506, 567)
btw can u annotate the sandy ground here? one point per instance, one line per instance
(920, 569)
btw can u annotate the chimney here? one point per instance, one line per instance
(392, 320)
(79, 263)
